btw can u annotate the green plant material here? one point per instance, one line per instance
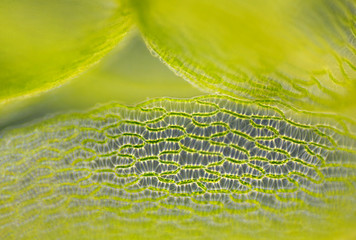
(302, 52)
(129, 74)
(45, 43)
(201, 168)
(210, 167)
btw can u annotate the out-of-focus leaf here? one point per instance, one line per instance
(45, 43)
(129, 74)
(209, 167)
(298, 51)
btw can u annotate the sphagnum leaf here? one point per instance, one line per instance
(205, 168)
(129, 74)
(45, 43)
(302, 52)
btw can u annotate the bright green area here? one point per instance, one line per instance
(302, 52)
(129, 75)
(46, 43)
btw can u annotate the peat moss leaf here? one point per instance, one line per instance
(128, 75)
(211, 166)
(299, 51)
(45, 43)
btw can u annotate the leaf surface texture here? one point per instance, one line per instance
(197, 165)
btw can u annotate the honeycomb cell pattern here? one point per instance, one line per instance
(209, 159)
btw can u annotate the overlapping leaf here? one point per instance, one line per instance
(300, 52)
(45, 43)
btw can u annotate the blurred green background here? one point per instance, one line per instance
(43, 44)
(129, 74)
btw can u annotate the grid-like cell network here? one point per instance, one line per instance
(201, 159)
